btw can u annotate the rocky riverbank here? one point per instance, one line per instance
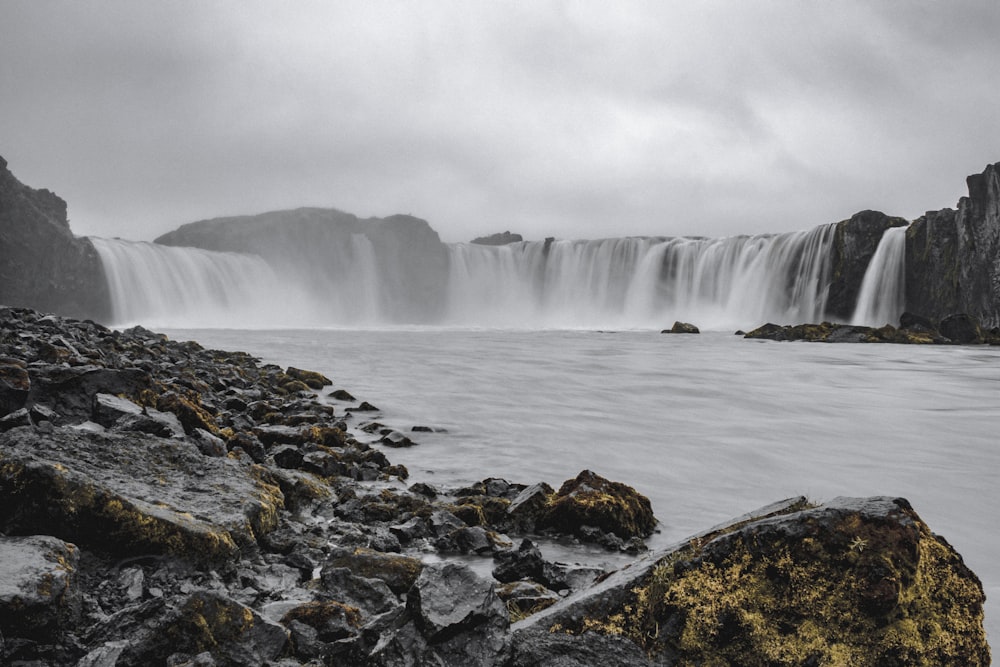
(161, 503)
(956, 329)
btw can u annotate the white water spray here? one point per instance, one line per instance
(611, 283)
(883, 291)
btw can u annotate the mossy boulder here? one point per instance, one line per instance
(397, 571)
(159, 496)
(592, 500)
(312, 379)
(856, 581)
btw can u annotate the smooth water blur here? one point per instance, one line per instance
(707, 426)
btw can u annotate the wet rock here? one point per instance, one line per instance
(16, 419)
(70, 391)
(342, 395)
(370, 596)
(396, 439)
(231, 633)
(39, 594)
(208, 444)
(287, 456)
(109, 408)
(146, 503)
(14, 385)
(858, 581)
(471, 540)
(191, 415)
(961, 328)
(524, 563)
(397, 571)
(682, 328)
(524, 598)
(449, 599)
(365, 406)
(525, 509)
(312, 379)
(591, 500)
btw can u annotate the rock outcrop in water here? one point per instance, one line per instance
(409, 262)
(500, 238)
(165, 504)
(855, 242)
(42, 265)
(953, 256)
(956, 329)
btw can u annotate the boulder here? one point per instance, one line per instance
(682, 328)
(71, 390)
(160, 496)
(961, 328)
(109, 408)
(39, 595)
(311, 379)
(859, 581)
(397, 571)
(449, 599)
(592, 500)
(209, 622)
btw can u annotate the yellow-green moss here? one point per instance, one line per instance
(870, 593)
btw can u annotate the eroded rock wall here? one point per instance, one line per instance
(42, 265)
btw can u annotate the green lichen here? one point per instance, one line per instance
(867, 593)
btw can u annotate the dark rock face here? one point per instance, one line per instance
(39, 594)
(953, 257)
(957, 329)
(411, 262)
(42, 265)
(859, 581)
(500, 238)
(682, 328)
(855, 242)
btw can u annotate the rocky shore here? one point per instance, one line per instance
(956, 329)
(161, 503)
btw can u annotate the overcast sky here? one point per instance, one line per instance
(567, 119)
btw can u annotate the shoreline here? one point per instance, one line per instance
(325, 522)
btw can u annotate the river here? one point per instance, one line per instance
(708, 426)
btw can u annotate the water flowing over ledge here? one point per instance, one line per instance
(614, 283)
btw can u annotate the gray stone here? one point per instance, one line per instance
(38, 585)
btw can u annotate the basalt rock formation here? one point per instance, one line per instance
(953, 256)
(411, 262)
(42, 265)
(500, 238)
(855, 242)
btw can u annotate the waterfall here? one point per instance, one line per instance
(883, 290)
(628, 282)
(165, 286)
(643, 282)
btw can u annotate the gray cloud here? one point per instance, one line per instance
(573, 119)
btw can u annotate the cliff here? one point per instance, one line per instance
(42, 264)
(953, 256)
(854, 244)
(410, 262)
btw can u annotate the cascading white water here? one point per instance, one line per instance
(643, 282)
(159, 285)
(883, 290)
(611, 283)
